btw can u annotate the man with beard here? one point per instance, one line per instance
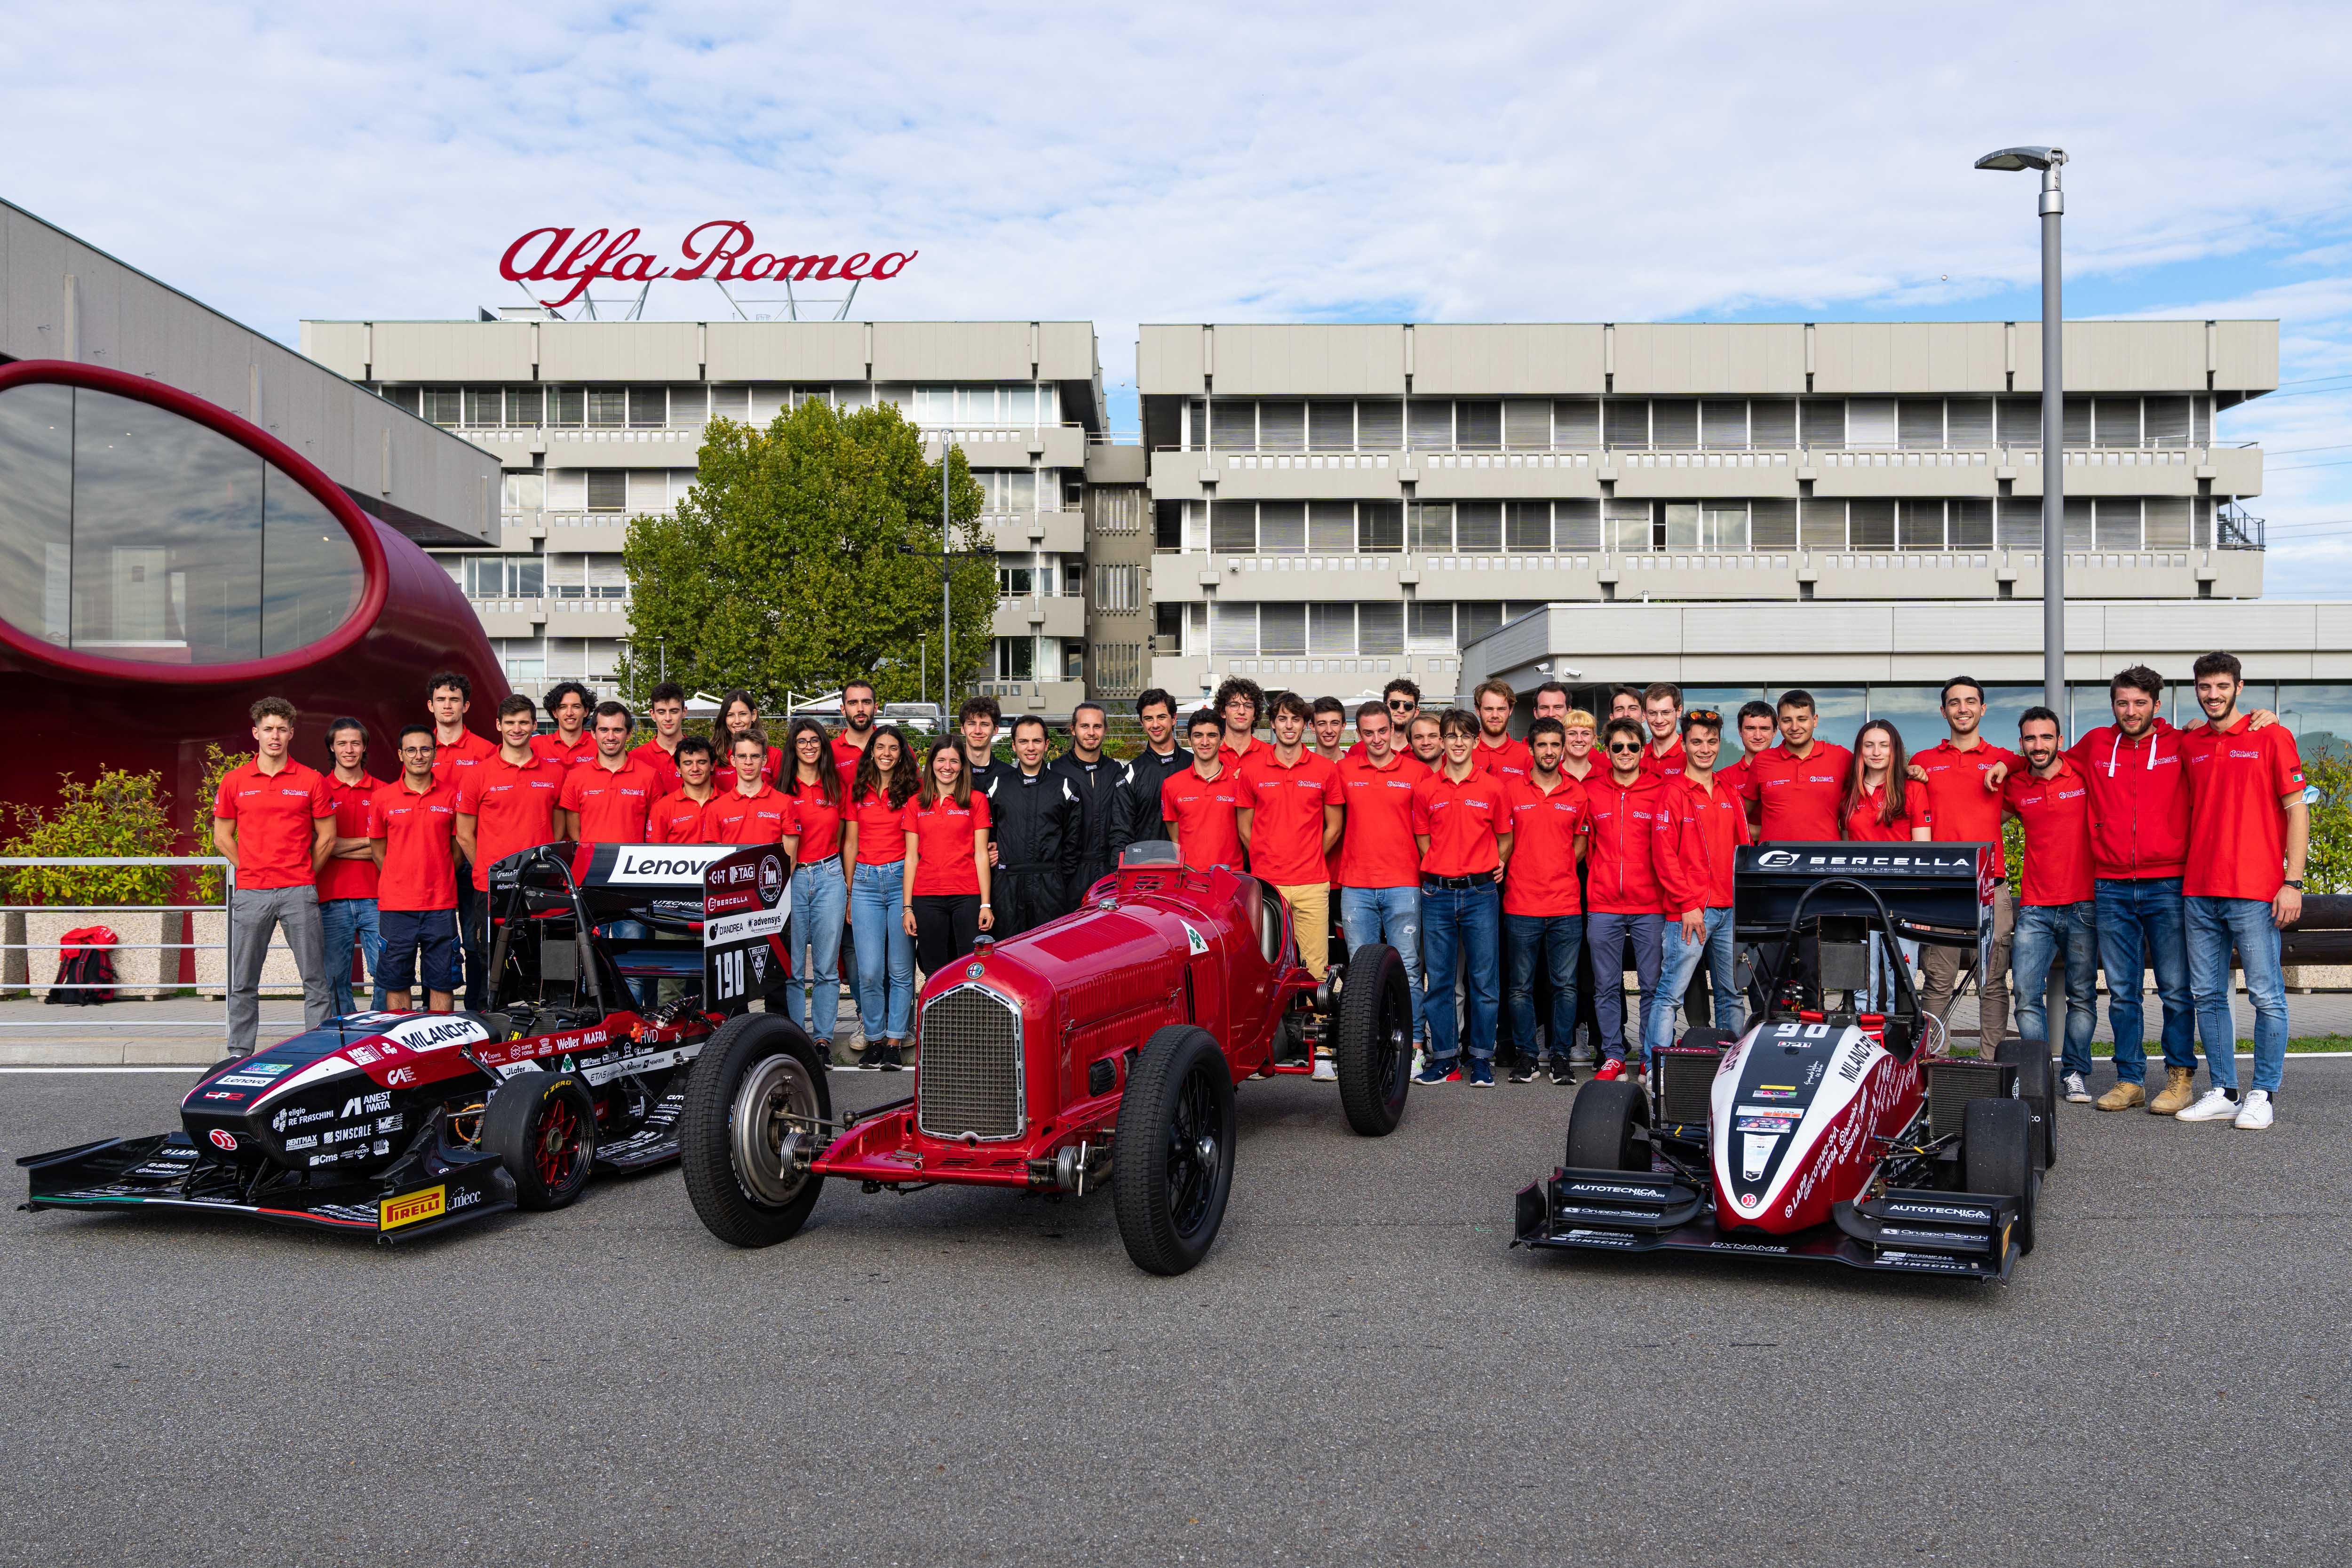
(1093, 778)
(1033, 815)
(857, 732)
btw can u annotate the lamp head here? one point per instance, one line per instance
(2011, 159)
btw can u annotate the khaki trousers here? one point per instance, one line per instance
(1943, 966)
(1309, 904)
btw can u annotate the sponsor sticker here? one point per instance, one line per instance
(307, 1142)
(433, 1034)
(743, 928)
(1194, 940)
(225, 1094)
(410, 1207)
(244, 1080)
(1773, 1125)
(1774, 1092)
(223, 1139)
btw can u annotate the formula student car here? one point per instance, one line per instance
(1827, 1131)
(1100, 1050)
(400, 1124)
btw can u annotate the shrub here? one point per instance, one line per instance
(122, 814)
(2330, 866)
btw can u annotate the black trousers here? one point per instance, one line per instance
(473, 937)
(1026, 897)
(946, 925)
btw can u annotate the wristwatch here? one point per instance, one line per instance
(2294, 882)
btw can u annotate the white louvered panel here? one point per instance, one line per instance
(1232, 630)
(1282, 528)
(1282, 630)
(1379, 627)
(1330, 630)
(1673, 423)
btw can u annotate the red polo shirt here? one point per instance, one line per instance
(1621, 865)
(1735, 777)
(2237, 828)
(1510, 761)
(273, 813)
(349, 878)
(513, 808)
(613, 803)
(1862, 824)
(1376, 845)
(662, 764)
(1699, 835)
(1285, 805)
(734, 818)
(1545, 826)
(2056, 816)
(881, 829)
(1462, 819)
(819, 825)
(770, 771)
(451, 759)
(553, 748)
(1669, 765)
(677, 818)
(846, 756)
(420, 857)
(943, 842)
(1965, 811)
(1207, 832)
(1799, 797)
(1235, 758)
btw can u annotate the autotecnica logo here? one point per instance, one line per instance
(223, 1139)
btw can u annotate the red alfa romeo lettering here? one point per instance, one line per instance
(720, 250)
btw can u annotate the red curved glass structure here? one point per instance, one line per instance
(164, 563)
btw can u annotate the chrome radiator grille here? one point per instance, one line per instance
(968, 1074)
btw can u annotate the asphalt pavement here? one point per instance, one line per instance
(1362, 1371)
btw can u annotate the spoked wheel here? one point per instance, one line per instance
(755, 1107)
(542, 1127)
(1372, 1040)
(1174, 1168)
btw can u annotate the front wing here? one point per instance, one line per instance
(427, 1192)
(1958, 1235)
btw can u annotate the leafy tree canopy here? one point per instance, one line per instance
(784, 567)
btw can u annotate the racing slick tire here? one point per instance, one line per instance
(1174, 1148)
(1371, 1040)
(1708, 1038)
(1997, 1157)
(2037, 1085)
(1600, 1128)
(757, 1084)
(542, 1127)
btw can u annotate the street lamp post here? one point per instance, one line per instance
(947, 556)
(2049, 160)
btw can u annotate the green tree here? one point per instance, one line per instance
(784, 567)
(2328, 868)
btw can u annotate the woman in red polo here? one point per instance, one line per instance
(1884, 804)
(947, 860)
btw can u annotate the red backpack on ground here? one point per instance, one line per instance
(86, 959)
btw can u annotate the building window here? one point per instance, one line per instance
(1330, 528)
(1527, 527)
(1433, 528)
(443, 406)
(1168, 525)
(526, 405)
(1429, 628)
(1380, 526)
(485, 407)
(1119, 590)
(567, 407)
(608, 407)
(1016, 658)
(730, 402)
(1118, 669)
(1016, 581)
(1822, 525)
(1167, 619)
(1233, 528)
(1004, 490)
(1232, 630)
(1282, 528)
(505, 577)
(1379, 627)
(607, 489)
(1625, 525)
(1576, 525)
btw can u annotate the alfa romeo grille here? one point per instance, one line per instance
(967, 1076)
(1687, 1084)
(1952, 1084)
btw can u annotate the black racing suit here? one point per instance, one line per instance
(1095, 784)
(1033, 820)
(1135, 805)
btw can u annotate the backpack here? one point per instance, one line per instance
(85, 959)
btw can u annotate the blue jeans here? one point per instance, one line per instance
(1559, 938)
(1677, 962)
(2214, 926)
(820, 898)
(2045, 932)
(886, 953)
(2142, 926)
(1464, 922)
(1391, 915)
(1608, 936)
(343, 922)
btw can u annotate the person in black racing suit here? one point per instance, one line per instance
(1093, 778)
(1135, 815)
(1033, 816)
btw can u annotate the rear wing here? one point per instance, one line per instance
(1940, 893)
(744, 910)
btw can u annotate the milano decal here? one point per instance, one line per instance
(720, 250)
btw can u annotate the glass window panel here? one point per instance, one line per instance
(1576, 525)
(1016, 405)
(1430, 424)
(1232, 427)
(1773, 427)
(1433, 528)
(1282, 630)
(1429, 627)
(2021, 421)
(648, 490)
(1478, 526)
(2168, 522)
(1870, 422)
(1282, 528)
(1379, 426)
(1922, 524)
(311, 573)
(2078, 422)
(1575, 424)
(1725, 526)
(1723, 423)
(485, 406)
(2320, 716)
(567, 407)
(36, 433)
(1331, 426)
(1527, 526)
(1773, 523)
(1840, 708)
(443, 406)
(1673, 423)
(976, 405)
(1379, 627)
(1822, 422)
(525, 405)
(1625, 525)
(1475, 619)
(1232, 527)
(1381, 525)
(1970, 524)
(1970, 425)
(2079, 532)
(1822, 523)
(1196, 426)
(527, 578)
(1331, 630)
(689, 406)
(1870, 524)
(1331, 527)
(608, 489)
(1682, 525)
(1527, 426)
(2168, 421)
(167, 536)
(2117, 526)
(1478, 427)
(1919, 423)
(2021, 525)
(608, 407)
(1625, 422)
(1281, 426)
(404, 397)
(1916, 712)
(2118, 421)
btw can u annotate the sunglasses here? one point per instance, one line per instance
(1624, 745)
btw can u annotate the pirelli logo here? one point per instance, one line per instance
(410, 1207)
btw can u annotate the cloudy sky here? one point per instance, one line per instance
(1246, 163)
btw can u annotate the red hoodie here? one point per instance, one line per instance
(2139, 802)
(1699, 837)
(1622, 877)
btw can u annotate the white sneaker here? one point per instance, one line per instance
(2256, 1113)
(1326, 1069)
(2077, 1091)
(2216, 1106)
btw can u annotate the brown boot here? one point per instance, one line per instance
(2179, 1089)
(2123, 1096)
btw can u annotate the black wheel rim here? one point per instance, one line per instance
(1395, 1043)
(1196, 1151)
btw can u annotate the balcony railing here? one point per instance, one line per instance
(2237, 531)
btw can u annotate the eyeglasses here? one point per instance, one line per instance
(1406, 704)
(1615, 746)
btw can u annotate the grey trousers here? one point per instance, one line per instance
(253, 914)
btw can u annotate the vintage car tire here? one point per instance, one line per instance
(1997, 1157)
(1371, 1040)
(542, 1127)
(757, 1070)
(1600, 1126)
(2037, 1085)
(1169, 1206)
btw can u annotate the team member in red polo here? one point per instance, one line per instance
(1462, 822)
(2057, 915)
(347, 908)
(1200, 803)
(1797, 787)
(507, 804)
(608, 798)
(1543, 904)
(1965, 812)
(1497, 753)
(1757, 730)
(448, 698)
(1700, 828)
(412, 824)
(1379, 863)
(568, 704)
(677, 817)
(947, 877)
(738, 714)
(275, 819)
(1425, 739)
(1623, 900)
(2248, 831)
(667, 707)
(1240, 704)
(1286, 806)
(857, 708)
(1883, 805)
(750, 810)
(1662, 715)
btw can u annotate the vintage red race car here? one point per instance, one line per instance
(1101, 1048)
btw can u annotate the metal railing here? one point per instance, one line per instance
(167, 977)
(2234, 530)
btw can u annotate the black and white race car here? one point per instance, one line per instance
(399, 1124)
(1831, 1130)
